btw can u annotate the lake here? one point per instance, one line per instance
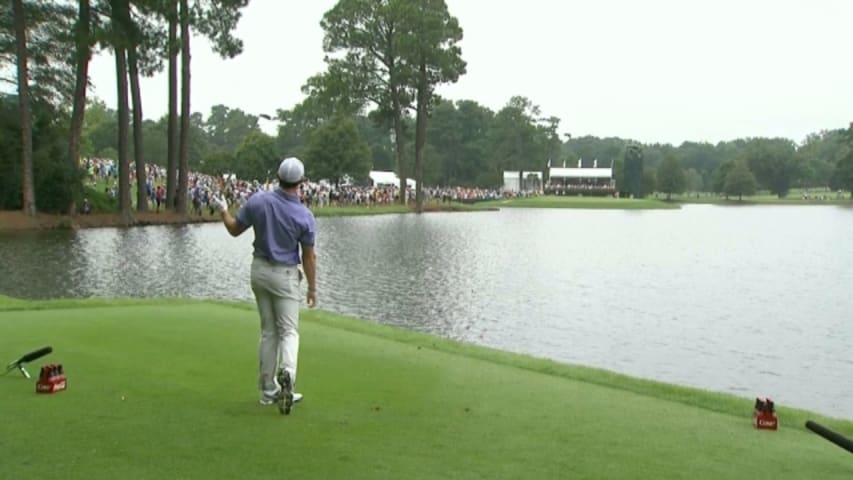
(749, 300)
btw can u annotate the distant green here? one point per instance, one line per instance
(553, 201)
(793, 198)
(166, 389)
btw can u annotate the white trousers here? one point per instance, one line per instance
(276, 289)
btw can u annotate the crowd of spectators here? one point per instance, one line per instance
(202, 189)
(582, 188)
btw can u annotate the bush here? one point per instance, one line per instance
(55, 181)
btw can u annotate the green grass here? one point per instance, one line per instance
(794, 197)
(100, 201)
(551, 201)
(166, 389)
(764, 199)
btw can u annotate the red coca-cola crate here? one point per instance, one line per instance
(51, 379)
(764, 414)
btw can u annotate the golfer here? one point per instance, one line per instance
(282, 224)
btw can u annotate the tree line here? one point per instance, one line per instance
(739, 167)
(49, 45)
(374, 107)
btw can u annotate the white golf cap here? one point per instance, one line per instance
(291, 170)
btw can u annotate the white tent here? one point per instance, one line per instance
(511, 180)
(388, 179)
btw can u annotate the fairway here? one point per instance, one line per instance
(167, 389)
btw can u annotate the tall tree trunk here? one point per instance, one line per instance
(420, 136)
(123, 127)
(139, 157)
(82, 57)
(184, 149)
(400, 140)
(172, 155)
(397, 112)
(28, 185)
(520, 179)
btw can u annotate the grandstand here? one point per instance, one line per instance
(581, 180)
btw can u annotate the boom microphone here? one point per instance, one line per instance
(833, 437)
(34, 355)
(29, 357)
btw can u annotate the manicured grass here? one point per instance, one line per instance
(166, 389)
(762, 200)
(794, 197)
(552, 201)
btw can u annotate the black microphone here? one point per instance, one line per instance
(834, 437)
(29, 357)
(34, 355)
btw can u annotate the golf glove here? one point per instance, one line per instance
(220, 204)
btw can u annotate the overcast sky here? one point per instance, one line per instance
(650, 70)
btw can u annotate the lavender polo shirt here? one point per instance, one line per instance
(281, 223)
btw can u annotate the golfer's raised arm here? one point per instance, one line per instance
(234, 227)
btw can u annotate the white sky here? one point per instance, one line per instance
(650, 70)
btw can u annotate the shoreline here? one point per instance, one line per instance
(721, 402)
(17, 221)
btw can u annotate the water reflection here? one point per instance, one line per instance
(746, 300)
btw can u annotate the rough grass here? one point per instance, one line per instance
(99, 200)
(166, 389)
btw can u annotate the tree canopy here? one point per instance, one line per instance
(374, 106)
